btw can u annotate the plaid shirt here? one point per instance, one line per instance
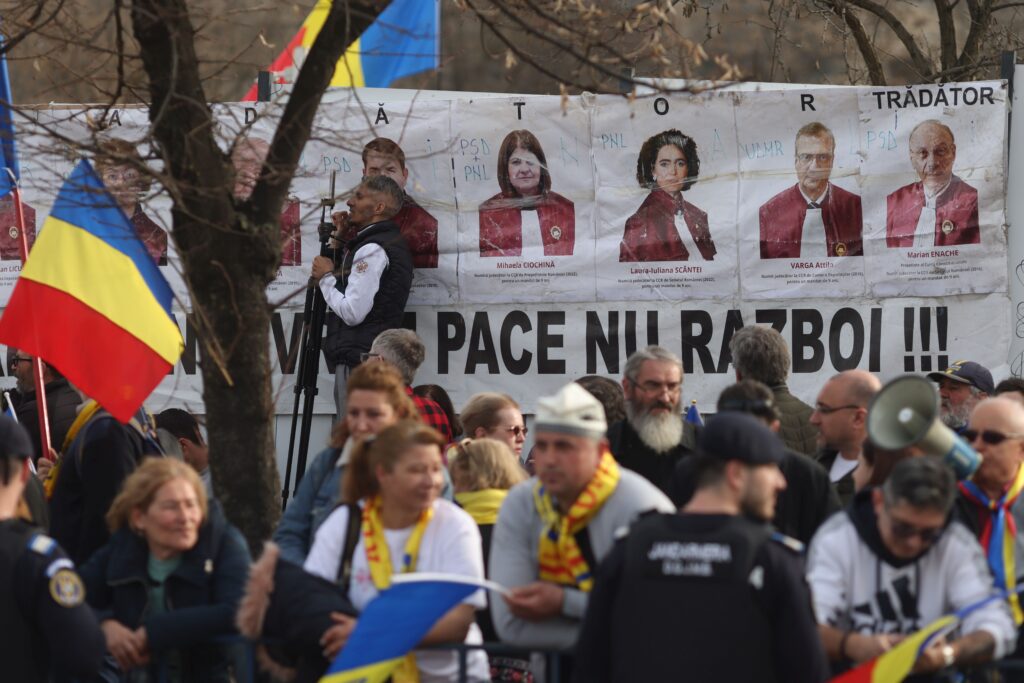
(432, 414)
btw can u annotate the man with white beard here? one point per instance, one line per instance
(654, 436)
(962, 386)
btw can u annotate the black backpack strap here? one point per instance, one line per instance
(586, 550)
(355, 524)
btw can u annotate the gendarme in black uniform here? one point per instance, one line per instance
(701, 598)
(704, 597)
(46, 625)
(344, 343)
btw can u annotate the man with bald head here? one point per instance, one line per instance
(990, 503)
(940, 209)
(841, 414)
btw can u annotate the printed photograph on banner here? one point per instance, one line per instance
(666, 188)
(245, 132)
(934, 178)
(525, 188)
(409, 142)
(117, 146)
(800, 205)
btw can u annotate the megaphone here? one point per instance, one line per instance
(905, 413)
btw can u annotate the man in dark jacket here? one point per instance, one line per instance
(47, 627)
(367, 291)
(654, 436)
(62, 401)
(841, 416)
(760, 353)
(710, 593)
(809, 498)
(102, 453)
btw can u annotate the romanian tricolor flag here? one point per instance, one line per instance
(395, 622)
(404, 40)
(896, 664)
(91, 302)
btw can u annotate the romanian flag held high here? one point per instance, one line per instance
(91, 302)
(395, 622)
(404, 40)
(895, 665)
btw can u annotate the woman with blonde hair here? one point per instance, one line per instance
(483, 470)
(496, 416)
(169, 580)
(376, 398)
(393, 484)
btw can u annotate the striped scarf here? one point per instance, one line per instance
(560, 560)
(999, 534)
(379, 558)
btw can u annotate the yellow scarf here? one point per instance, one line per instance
(482, 505)
(560, 559)
(379, 558)
(90, 408)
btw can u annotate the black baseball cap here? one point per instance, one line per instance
(732, 435)
(14, 441)
(967, 372)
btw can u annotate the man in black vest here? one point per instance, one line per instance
(711, 594)
(367, 291)
(47, 627)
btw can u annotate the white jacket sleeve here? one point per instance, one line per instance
(969, 581)
(354, 304)
(828, 571)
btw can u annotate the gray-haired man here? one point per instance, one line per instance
(654, 437)
(366, 293)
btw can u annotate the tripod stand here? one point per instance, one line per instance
(313, 316)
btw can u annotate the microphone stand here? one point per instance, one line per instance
(313, 316)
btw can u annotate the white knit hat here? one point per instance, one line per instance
(573, 410)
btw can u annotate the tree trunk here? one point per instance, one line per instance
(230, 249)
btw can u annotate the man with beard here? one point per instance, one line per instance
(654, 436)
(809, 498)
(711, 593)
(62, 401)
(841, 414)
(961, 387)
(893, 562)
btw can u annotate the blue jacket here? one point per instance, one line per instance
(202, 594)
(319, 493)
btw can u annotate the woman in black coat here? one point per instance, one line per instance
(168, 582)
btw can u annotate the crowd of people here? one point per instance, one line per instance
(780, 542)
(637, 547)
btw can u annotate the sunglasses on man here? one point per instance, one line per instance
(989, 436)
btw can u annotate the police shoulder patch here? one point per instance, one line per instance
(66, 588)
(789, 542)
(41, 544)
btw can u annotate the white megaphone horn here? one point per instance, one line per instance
(906, 413)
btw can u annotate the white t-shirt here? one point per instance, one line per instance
(451, 544)
(841, 467)
(533, 243)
